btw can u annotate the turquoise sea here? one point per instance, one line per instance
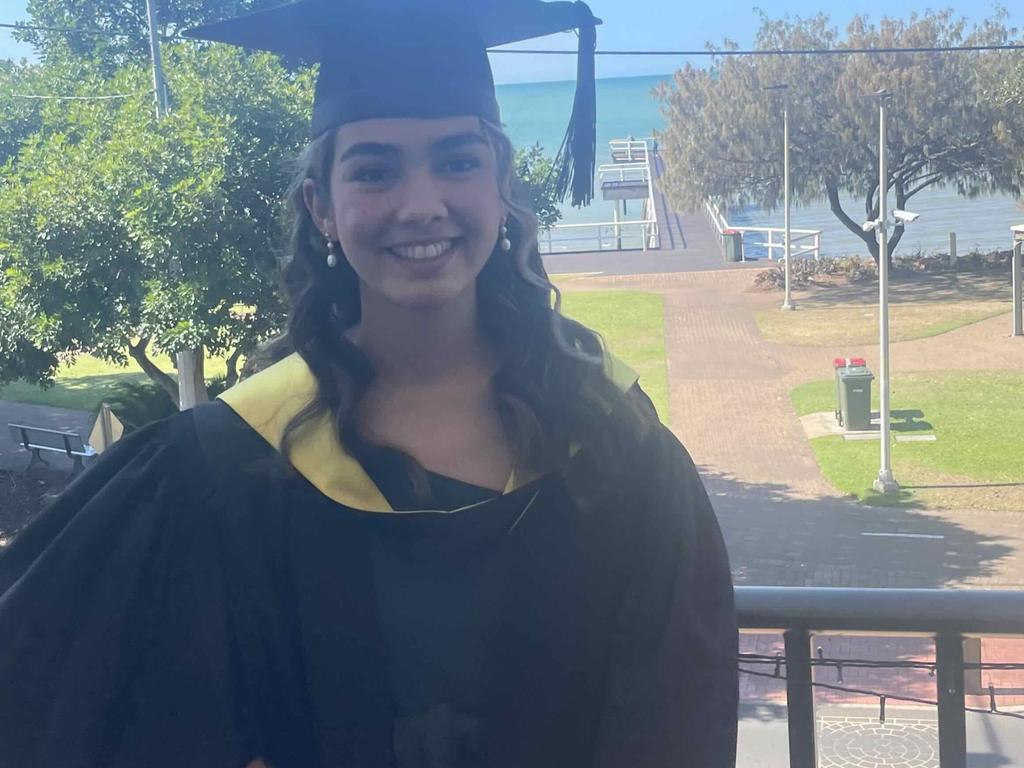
(538, 113)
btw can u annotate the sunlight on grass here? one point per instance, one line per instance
(978, 422)
(89, 381)
(858, 323)
(632, 324)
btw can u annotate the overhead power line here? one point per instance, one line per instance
(107, 97)
(553, 52)
(67, 30)
(774, 52)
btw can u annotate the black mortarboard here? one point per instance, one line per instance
(422, 58)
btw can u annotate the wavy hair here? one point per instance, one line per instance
(552, 392)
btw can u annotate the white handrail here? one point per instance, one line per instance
(720, 224)
(638, 171)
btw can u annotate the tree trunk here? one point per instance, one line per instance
(836, 205)
(202, 396)
(158, 377)
(232, 363)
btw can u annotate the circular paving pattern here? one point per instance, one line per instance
(863, 742)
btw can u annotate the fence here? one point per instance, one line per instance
(772, 237)
(946, 615)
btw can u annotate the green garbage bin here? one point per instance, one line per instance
(855, 397)
(732, 245)
(838, 364)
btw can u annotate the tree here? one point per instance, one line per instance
(533, 168)
(1008, 95)
(724, 134)
(116, 32)
(118, 233)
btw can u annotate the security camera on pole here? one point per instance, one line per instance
(188, 387)
(783, 88)
(884, 483)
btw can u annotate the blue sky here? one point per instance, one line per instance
(649, 24)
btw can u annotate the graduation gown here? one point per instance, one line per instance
(193, 600)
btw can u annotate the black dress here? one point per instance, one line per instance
(194, 601)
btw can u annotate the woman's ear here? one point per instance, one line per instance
(318, 209)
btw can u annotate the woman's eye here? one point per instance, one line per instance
(371, 175)
(461, 164)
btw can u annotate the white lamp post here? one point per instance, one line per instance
(884, 483)
(1017, 273)
(188, 386)
(787, 302)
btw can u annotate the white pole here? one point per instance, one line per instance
(1018, 289)
(885, 483)
(187, 385)
(952, 249)
(787, 302)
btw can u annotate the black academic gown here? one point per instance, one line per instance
(193, 601)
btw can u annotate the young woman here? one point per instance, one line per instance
(442, 528)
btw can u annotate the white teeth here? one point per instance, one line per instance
(422, 252)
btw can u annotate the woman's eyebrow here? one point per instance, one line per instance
(371, 148)
(457, 141)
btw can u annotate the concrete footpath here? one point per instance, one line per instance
(853, 737)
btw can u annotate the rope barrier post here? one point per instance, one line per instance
(800, 699)
(949, 681)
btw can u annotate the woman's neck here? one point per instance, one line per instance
(423, 346)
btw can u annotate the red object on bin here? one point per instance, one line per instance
(730, 232)
(848, 362)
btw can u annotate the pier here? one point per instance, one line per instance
(658, 238)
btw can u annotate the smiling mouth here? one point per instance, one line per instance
(422, 251)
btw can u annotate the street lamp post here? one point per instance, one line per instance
(188, 386)
(783, 88)
(884, 483)
(1017, 278)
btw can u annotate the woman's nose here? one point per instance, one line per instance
(422, 199)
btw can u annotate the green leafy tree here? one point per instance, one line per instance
(1008, 95)
(724, 134)
(533, 168)
(119, 233)
(116, 32)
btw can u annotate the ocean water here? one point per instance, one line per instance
(538, 113)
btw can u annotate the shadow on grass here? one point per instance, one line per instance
(907, 287)
(777, 539)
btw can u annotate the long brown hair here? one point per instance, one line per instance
(551, 389)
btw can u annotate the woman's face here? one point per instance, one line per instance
(415, 204)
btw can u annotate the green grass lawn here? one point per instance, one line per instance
(89, 381)
(976, 460)
(857, 323)
(632, 324)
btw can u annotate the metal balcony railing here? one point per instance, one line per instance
(947, 616)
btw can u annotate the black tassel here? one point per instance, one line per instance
(573, 169)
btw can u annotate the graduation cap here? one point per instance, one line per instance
(423, 58)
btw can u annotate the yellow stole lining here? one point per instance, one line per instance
(268, 401)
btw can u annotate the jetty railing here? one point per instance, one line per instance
(803, 242)
(946, 616)
(618, 234)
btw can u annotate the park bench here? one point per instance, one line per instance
(37, 439)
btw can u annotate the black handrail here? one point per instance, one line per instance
(947, 615)
(900, 611)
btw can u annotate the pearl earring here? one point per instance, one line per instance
(332, 257)
(505, 243)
